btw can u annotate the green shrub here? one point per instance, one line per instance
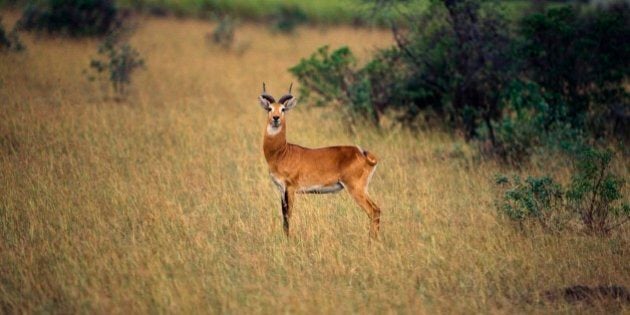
(223, 34)
(287, 17)
(333, 78)
(594, 196)
(11, 40)
(537, 198)
(119, 60)
(595, 193)
(366, 93)
(324, 75)
(71, 17)
(529, 123)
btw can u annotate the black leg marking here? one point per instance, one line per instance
(285, 211)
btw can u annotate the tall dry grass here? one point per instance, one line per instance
(163, 203)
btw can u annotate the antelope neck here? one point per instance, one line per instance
(275, 145)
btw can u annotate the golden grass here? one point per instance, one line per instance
(163, 203)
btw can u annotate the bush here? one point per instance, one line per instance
(594, 195)
(326, 74)
(288, 17)
(333, 78)
(120, 60)
(10, 41)
(538, 198)
(71, 17)
(223, 34)
(364, 93)
(529, 123)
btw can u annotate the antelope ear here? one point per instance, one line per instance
(264, 102)
(290, 103)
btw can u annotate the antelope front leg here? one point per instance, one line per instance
(287, 205)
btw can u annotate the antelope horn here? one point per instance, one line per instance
(286, 97)
(267, 96)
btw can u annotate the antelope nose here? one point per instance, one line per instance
(276, 118)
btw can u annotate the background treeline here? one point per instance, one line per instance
(274, 11)
(356, 12)
(554, 76)
(94, 17)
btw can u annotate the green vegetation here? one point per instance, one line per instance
(333, 77)
(594, 196)
(119, 60)
(355, 12)
(324, 11)
(11, 40)
(595, 193)
(537, 199)
(70, 17)
(552, 84)
(559, 79)
(223, 33)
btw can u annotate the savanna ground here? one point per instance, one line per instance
(163, 203)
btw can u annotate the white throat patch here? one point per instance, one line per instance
(272, 131)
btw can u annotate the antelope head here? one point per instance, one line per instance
(275, 110)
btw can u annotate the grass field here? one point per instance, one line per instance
(163, 203)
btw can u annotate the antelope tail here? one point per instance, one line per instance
(371, 158)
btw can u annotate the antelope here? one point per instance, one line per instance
(299, 170)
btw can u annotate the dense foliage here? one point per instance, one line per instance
(581, 61)
(71, 17)
(554, 77)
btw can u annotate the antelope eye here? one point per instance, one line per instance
(268, 109)
(284, 109)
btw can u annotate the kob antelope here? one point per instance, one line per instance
(296, 169)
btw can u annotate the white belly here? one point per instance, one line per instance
(320, 189)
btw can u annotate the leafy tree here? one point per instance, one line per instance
(453, 60)
(581, 60)
(71, 17)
